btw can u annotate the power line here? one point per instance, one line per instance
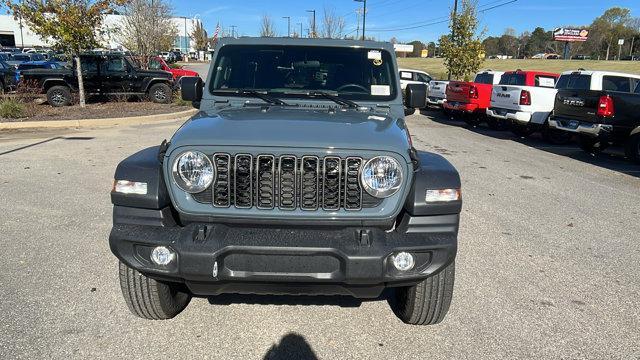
(433, 21)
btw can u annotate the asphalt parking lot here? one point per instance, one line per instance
(547, 265)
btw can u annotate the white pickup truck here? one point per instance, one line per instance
(525, 100)
(411, 76)
(437, 92)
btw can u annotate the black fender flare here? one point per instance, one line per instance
(148, 82)
(143, 166)
(432, 172)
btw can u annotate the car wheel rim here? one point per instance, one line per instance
(160, 95)
(57, 97)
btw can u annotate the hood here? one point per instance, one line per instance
(295, 128)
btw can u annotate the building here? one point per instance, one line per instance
(14, 33)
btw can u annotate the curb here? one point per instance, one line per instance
(134, 120)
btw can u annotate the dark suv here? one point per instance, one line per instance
(102, 75)
(297, 176)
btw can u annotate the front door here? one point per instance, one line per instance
(91, 74)
(117, 75)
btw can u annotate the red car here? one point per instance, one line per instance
(158, 63)
(470, 100)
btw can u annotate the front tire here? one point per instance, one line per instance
(160, 93)
(428, 302)
(151, 299)
(58, 96)
(632, 148)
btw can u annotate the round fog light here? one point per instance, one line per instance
(403, 261)
(161, 255)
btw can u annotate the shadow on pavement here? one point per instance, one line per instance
(291, 346)
(612, 158)
(46, 141)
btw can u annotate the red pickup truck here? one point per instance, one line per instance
(470, 100)
(158, 63)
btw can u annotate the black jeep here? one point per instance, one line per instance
(112, 74)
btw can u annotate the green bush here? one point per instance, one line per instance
(177, 99)
(11, 109)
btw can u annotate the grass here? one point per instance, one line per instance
(11, 109)
(436, 68)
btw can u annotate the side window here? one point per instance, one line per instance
(423, 78)
(116, 65)
(155, 65)
(545, 81)
(89, 64)
(616, 83)
(2, 66)
(637, 91)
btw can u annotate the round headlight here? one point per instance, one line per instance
(381, 176)
(193, 171)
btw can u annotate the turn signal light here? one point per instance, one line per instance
(605, 106)
(525, 97)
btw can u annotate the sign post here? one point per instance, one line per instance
(620, 43)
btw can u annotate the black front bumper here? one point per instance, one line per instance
(269, 259)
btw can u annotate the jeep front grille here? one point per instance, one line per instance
(287, 182)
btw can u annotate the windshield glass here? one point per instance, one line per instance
(574, 82)
(513, 79)
(293, 71)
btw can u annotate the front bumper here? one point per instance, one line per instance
(515, 116)
(461, 107)
(580, 127)
(346, 260)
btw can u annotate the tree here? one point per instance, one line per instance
(267, 28)
(147, 27)
(609, 27)
(332, 24)
(462, 49)
(74, 26)
(537, 42)
(200, 37)
(418, 46)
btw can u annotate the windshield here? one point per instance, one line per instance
(296, 71)
(484, 78)
(574, 82)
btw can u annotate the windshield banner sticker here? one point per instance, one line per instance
(380, 90)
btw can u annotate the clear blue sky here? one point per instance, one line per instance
(393, 14)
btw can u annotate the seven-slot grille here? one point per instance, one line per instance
(286, 182)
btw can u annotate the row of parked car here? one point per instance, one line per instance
(601, 107)
(103, 74)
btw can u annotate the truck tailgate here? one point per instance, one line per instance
(579, 105)
(506, 97)
(458, 92)
(437, 89)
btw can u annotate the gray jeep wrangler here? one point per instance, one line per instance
(297, 176)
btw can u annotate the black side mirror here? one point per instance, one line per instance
(191, 88)
(416, 96)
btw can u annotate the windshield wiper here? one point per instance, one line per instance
(267, 98)
(334, 98)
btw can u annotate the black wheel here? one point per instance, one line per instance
(472, 119)
(521, 130)
(427, 302)
(496, 124)
(59, 96)
(555, 136)
(149, 298)
(160, 93)
(632, 148)
(592, 145)
(409, 111)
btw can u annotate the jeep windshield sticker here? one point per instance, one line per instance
(374, 55)
(380, 90)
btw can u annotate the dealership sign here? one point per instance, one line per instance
(562, 34)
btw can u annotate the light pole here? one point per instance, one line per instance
(364, 17)
(453, 25)
(313, 24)
(233, 31)
(288, 25)
(300, 35)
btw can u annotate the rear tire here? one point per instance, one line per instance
(151, 299)
(555, 136)
(521, 130)
(59, 95)
(428, 302)
(496, 124)
(472, 120)
(160, 93)
(632, 148)
(592, 145)
(409, 111)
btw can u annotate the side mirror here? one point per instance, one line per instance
(191, 88)
(416, 96)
